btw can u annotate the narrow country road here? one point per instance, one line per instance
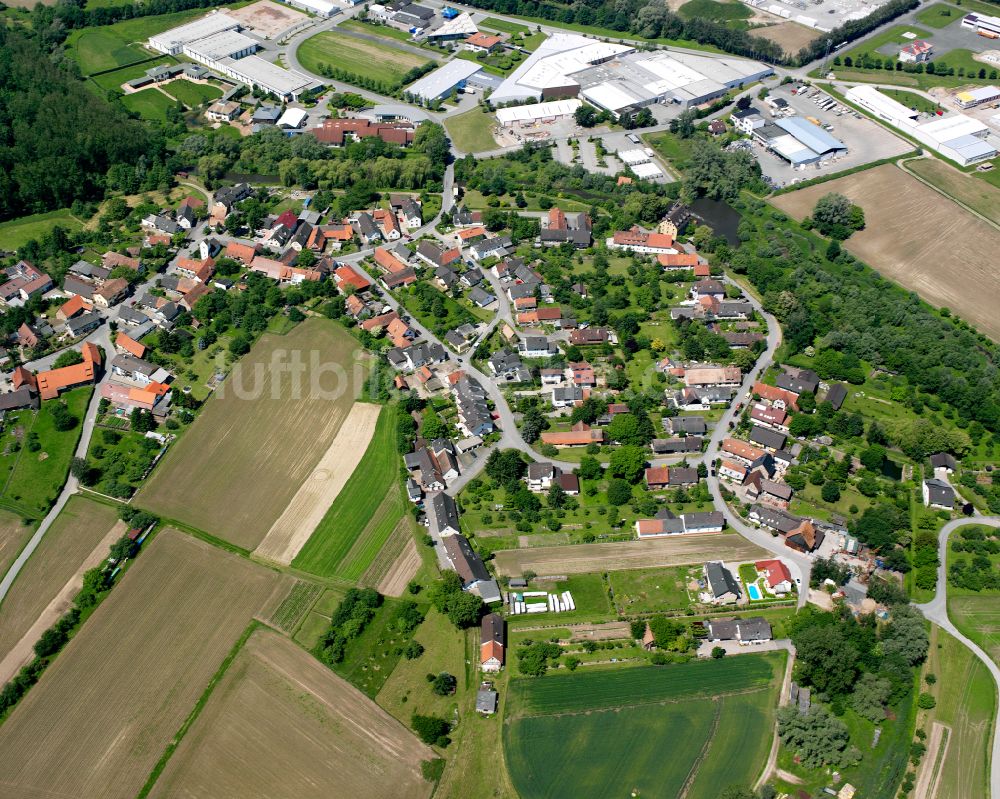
(937, 611)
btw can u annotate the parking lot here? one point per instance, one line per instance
(822, 14)
(866, 141)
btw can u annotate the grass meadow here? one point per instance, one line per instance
(658, 731)
(192, 94)
(16, 232)
(151, 104)
(363, 58)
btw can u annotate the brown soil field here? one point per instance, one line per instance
(73, 535)
(979, 195)
(580, 558)
(268, 19)
(244, 458)
(790, 35)
(281, 725)
(403, 569)
(13, 537)
(919, 239)
(23, 651)
(318, 491)
(103, 713)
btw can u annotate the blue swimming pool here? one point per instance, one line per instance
(754, 591)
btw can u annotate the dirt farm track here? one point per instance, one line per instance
(103, 713)
(281, 724)
(919, 239)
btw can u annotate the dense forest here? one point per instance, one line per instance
(57, 140)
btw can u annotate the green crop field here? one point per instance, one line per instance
(657, 731)
(357, 514)
(604, 689)
(110, 46)
(714, 10)
(363, 58)
(150, 104)
(15, 232)
(192, 94)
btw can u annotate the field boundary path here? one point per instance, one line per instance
(937, 611)
(903, 164)
(23, 651)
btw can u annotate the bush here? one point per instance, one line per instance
(431, 729)
(925, 701)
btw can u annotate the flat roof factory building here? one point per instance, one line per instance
(321, 8)
(957, 136)
(255, 71)
(440, 83)
(619, 79)
(799, 141)
(172, 41)
(539, 112)
(226, 44)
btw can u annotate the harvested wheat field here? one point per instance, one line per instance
(281, 725)
(14, 534)
(306, 510)
(23, 651)
(79, 528)
(920, 239)
(580, 558)
(235, 471)
(103, 713)
(403, 569)
(790, 35)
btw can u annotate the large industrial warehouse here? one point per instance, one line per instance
(959, 137)
(799, 141)
(217, 42)
(618, 79)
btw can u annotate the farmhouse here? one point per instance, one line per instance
(666, 524)
(770, 440)
(470, 568)
(23, 281)
(676, 446)
(50, 384)
(491, 649)
(442, 515)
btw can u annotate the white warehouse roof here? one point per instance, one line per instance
(443, 80)
(529, 113)
(254, 69)
(460, 25)
(633, 157)
(321, 7)
(879, 104)
(946, 128)
(221, 45)
(175, 38)
(647, 171)
(292, 118)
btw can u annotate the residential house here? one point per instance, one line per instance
(551, 377)
(713, 376)
(136, 370)
(578, 435)
(747, 120)
(113, 260)
(244, 253)
(769, 440)
(540, 476)
(492, 643)
(675, 222)
(559, 228)
(404, 277)
(657, 478)
(769, 416)
(746, 632)
(801, 381)
(708, 288)
(722, 586)
(347, 277)
(28, 336)
(442, 515)
(83, 324)
(74, 306)
(537, 347)
(568, 396)
(768, 492)
(495, 247)
(938, 494)
(731, 470)
(776, 574)
(591, 336)
(480, 42)
(944, 460)
(676, 446)
(640, 241)
(685, 425)
(437, 256)
(836, 395)
(679, 261)
(111, 293)
(582, 374)
(23, 281)
(778, 397)
(128, 345)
